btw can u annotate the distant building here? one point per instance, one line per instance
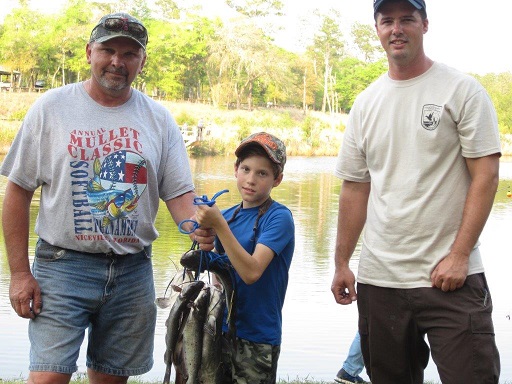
(8, 78)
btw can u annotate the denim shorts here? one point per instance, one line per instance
(113, 296)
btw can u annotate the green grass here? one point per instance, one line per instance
(8, 130)
(85, 381)
(82, 379)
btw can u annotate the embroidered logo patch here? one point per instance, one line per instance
(430, 117)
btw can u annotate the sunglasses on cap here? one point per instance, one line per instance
(116, 24)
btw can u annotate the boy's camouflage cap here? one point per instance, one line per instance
(274, 147)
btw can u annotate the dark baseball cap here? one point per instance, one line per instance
(120, 25)
(274, 147)
(418, 4)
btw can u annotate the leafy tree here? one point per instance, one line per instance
(20, 40)
(163, 68)
(257, 8)
(195, 79)
(328, 46)
(281, 84)
(140, 10)
(366, 41)
(111, 7)
(499, 87)
(169, 9)
(303, 82)
(177, 56)
(354, 76)
(195, 57)
(69, 38)
(240, 54)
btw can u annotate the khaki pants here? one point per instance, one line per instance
(458, 324)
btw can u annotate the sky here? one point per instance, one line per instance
(468, 35)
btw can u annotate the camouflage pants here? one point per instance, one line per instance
(249, 363)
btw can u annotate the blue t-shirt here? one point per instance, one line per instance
(259, 305)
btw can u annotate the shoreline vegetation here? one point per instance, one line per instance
(314, 134)
(311, 134)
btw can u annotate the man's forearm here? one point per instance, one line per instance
(181, 207)
(353, 203)
(16, 222)
(484, 183)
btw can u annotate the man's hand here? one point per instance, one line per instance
(343, 286)
(205, 238)
(25, 295)
(209, 217)
(451, 272)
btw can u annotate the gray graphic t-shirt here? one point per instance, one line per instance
(101, 170)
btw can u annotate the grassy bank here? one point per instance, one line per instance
(311, 134)
(297, 381)
(85, 381)
(314, 134)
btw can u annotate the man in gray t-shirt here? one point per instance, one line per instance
(103, 154)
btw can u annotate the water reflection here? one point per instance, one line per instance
(316, 331)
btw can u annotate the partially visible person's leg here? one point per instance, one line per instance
(38, 377)
(57, 333)
(102, 378)
(354, 364)
(122, 331)
(461, 332)
(394, 349)
(255, 363)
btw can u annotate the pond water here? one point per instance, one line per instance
(316, 331)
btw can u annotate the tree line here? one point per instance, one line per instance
(232, 63)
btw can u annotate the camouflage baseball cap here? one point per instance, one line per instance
(274, 147)
(119, 25)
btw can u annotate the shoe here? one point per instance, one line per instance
(344, 378)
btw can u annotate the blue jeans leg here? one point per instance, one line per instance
(354, 364)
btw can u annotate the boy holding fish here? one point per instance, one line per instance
(258, 237)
